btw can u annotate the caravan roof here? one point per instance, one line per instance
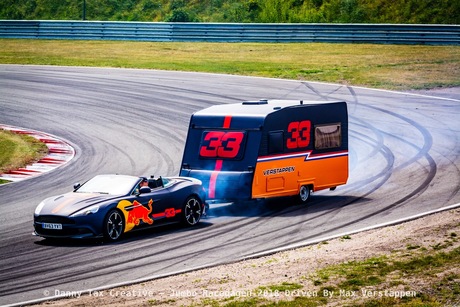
(255, 108)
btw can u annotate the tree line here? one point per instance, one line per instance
(244, 11)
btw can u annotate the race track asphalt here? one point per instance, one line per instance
(404, 159)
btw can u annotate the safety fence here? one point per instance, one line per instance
(232, 32)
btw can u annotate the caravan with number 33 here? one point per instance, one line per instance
(268, 148)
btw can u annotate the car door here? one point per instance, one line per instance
(160, 201)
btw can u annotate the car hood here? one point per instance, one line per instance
(69, 203)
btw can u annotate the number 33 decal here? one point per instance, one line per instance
(220, 144)
(298, 134)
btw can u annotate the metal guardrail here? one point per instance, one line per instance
(232, 32)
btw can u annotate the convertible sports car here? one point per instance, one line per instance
(110, 205)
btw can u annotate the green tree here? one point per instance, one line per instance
(179, 15)
(274, 11)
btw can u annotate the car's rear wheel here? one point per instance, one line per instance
(114, 225)
(192, 212)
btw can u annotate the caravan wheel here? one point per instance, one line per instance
(304, 194)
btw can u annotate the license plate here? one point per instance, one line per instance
(52, 226)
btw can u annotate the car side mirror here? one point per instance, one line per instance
(76, 186)
(144, 190)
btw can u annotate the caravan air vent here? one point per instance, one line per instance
(262, 101)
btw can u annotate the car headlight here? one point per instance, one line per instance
(86, 211)
(39, 208)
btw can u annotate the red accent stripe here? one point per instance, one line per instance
(328, 155)
(331, 154)
(288, 155)
(213, 179)
(227, 121)
(300, 153)
(218, 167)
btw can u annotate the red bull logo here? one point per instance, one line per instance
(135, 212)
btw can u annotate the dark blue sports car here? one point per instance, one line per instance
(110, 205)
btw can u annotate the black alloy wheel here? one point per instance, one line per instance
(113, 225)
(192, 211)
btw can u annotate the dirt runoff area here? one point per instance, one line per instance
(300, 274)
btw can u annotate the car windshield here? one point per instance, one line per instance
(109, 184)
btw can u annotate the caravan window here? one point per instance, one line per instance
(328, 136)
(275, 142)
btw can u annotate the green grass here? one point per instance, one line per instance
(18, 150)
(283, 287)
(399, 67)
(416, 279)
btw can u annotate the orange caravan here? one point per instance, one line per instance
(268, 148)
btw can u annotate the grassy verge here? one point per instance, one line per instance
(415, 276)
(18, 150)
(399, 67)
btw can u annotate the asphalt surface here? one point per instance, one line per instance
(404, 159)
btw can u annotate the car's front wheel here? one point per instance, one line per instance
(192, 212)
(114, 225)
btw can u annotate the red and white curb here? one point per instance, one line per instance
(59, 153)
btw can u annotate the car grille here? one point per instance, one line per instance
(67, 232)
(54, 219)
